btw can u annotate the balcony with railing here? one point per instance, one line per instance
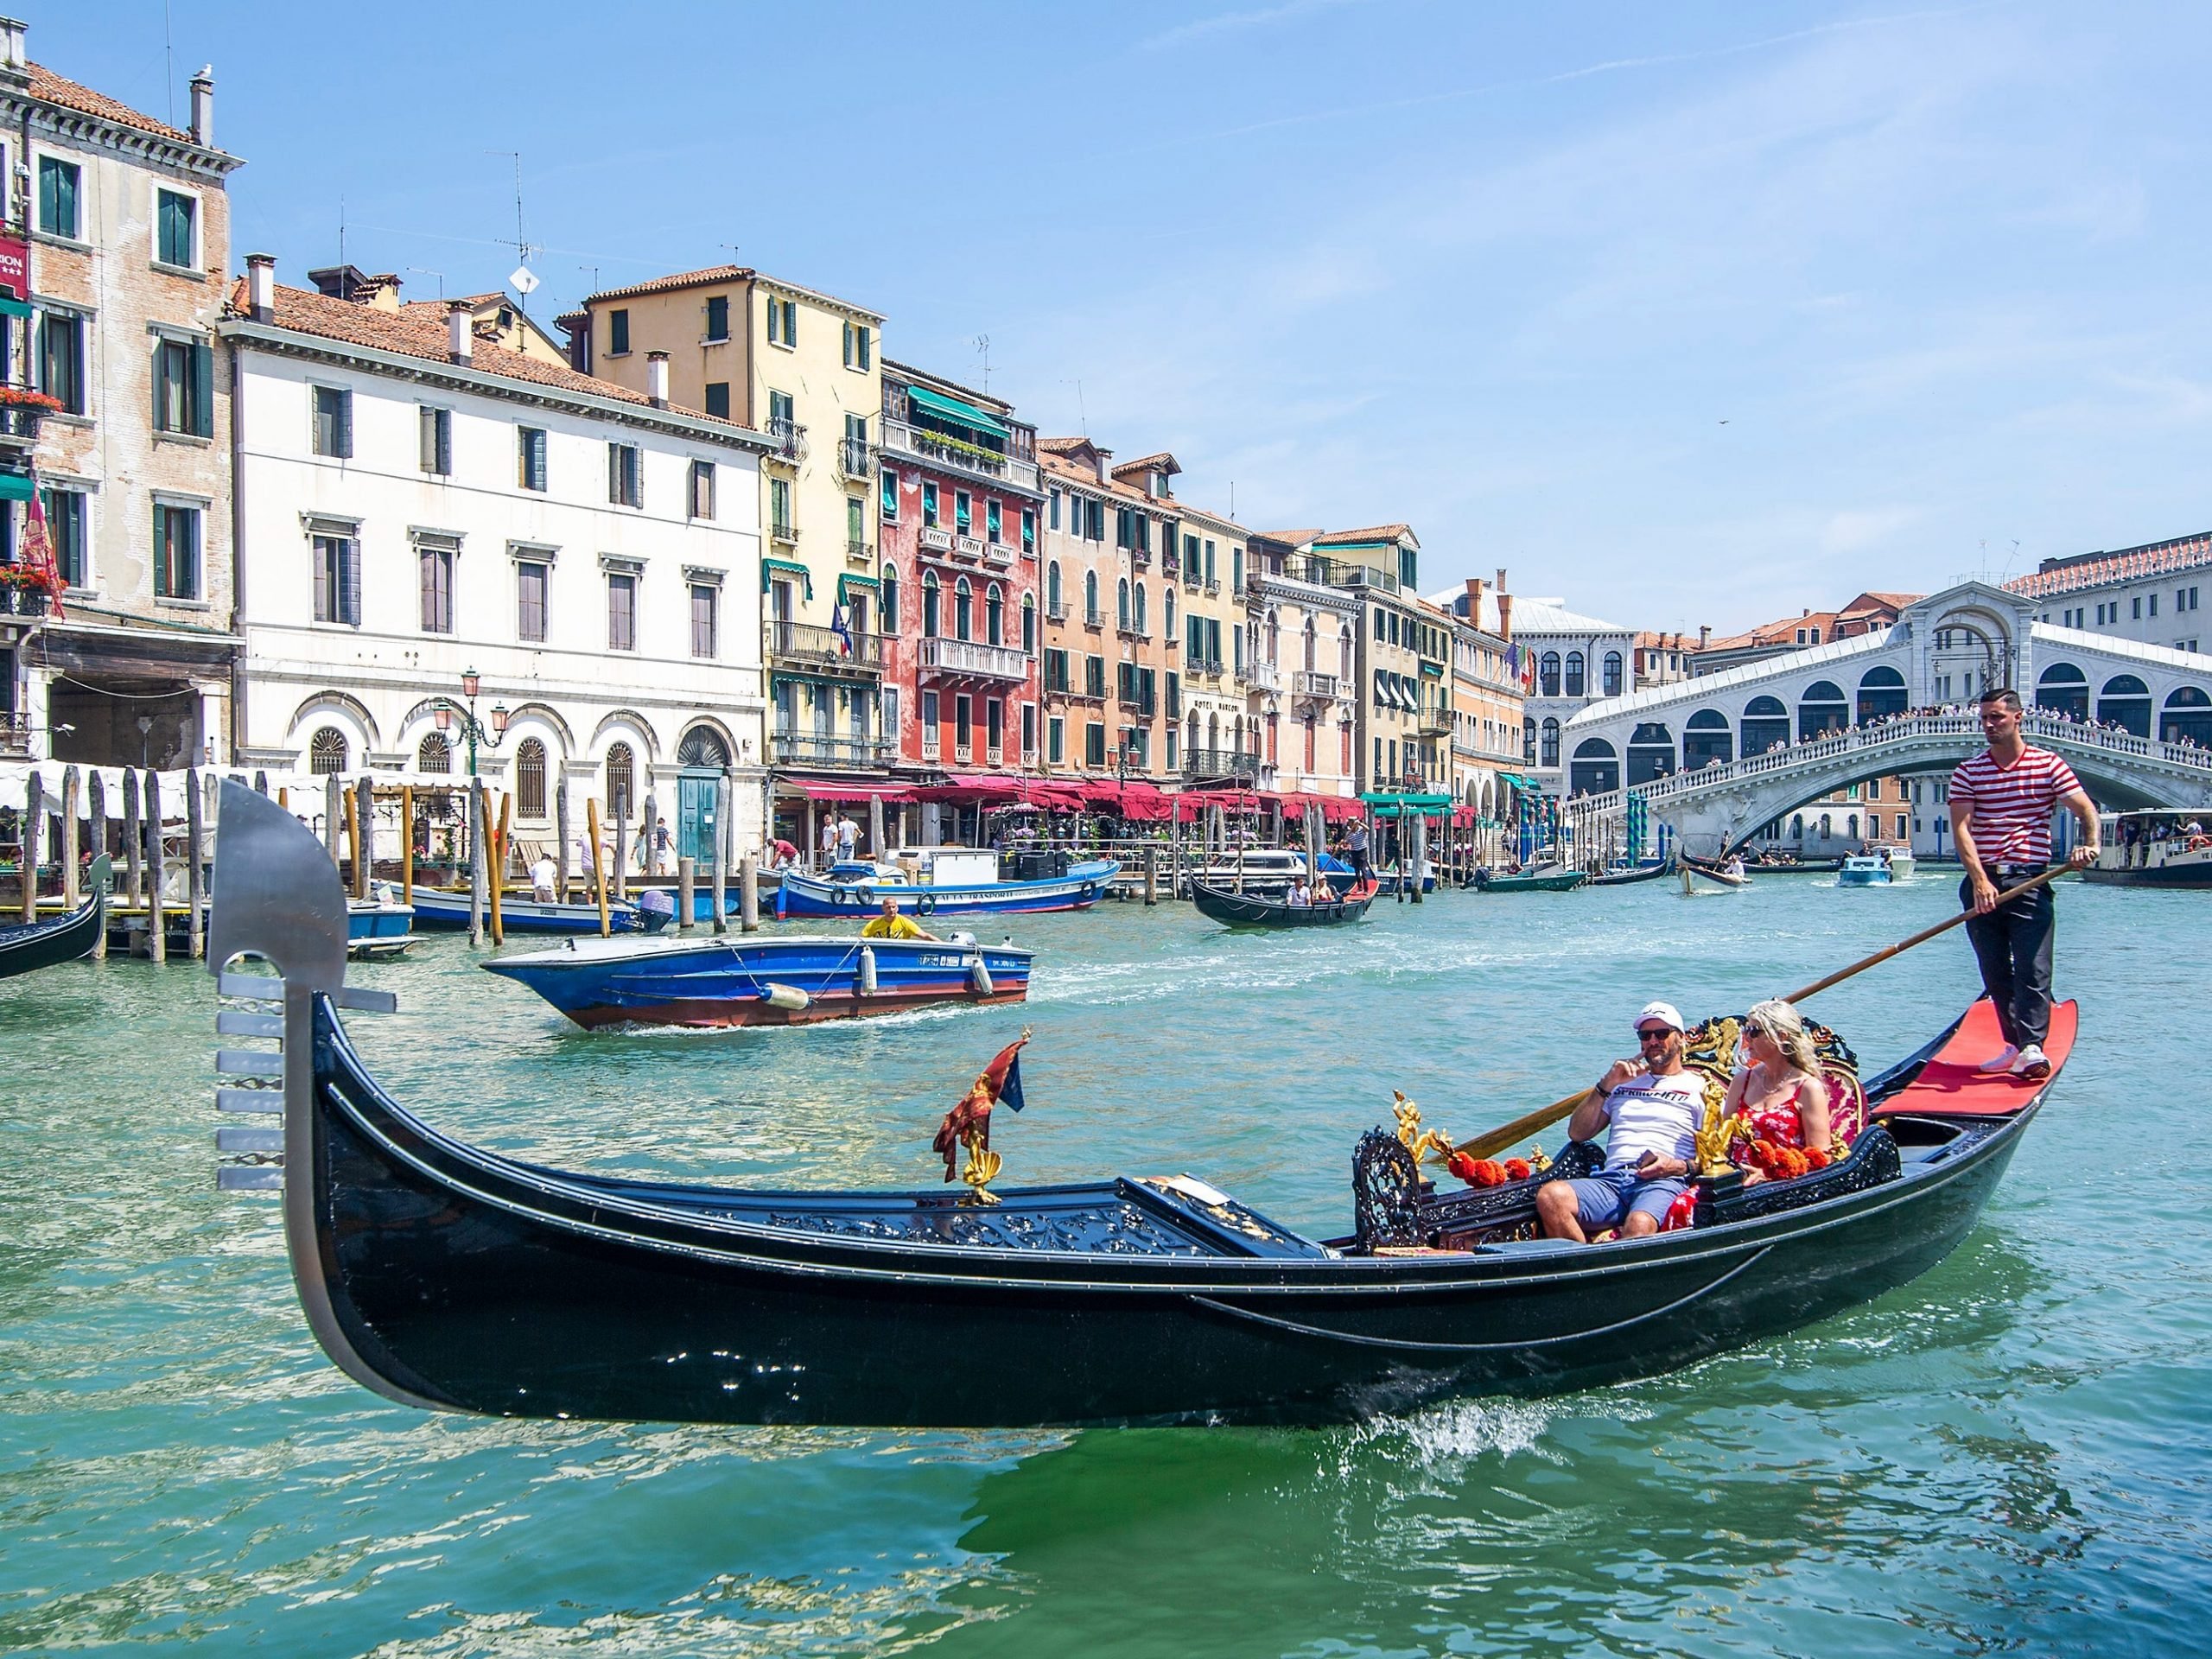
(932, 750)
(974, 659)
(1265, 677)
(838, 753)
(856, 550)
(1221, 763)
(995, 754)
(815, 646)
(854, 456)
(936, 538)
(967, 547)
(1000, 554)
(900, 437)
(786, 439)
(20, 598)
(784, 532)
(1310, 687)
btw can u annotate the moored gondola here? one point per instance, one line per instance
(443, 1275)
(28, 946)
(1628, 874)
(1253, 910)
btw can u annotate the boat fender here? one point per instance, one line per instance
(788, 997)
(1088, 892)
(2198, 844)
(926, 904)
(841, 897)
(978, 976)
(868, 970)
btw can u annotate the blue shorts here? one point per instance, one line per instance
(1611, 1196)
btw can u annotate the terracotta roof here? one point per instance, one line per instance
(2127, 564)
(705, 278)
(414, 335)
(1372, 533)
(60, 89)
(1065, 446)
(1149, 463)
(1075, 473)
(1295, 537)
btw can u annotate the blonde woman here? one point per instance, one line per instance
(1780, 1092)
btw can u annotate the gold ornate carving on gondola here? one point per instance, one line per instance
(1434, 1145)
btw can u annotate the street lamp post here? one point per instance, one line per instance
(446, 712)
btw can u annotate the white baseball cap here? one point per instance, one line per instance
(1663, 1012)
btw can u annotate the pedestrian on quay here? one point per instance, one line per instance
(2001, 804)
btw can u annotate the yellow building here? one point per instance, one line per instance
(804, 368)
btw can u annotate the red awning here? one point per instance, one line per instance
(1145, 804)
(859, 789)
(1340, 808)
(998, 788)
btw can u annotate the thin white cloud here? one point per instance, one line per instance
(1260, 17)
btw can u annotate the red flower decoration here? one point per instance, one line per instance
(1518, 1169)
(1490, 1172)
(1462, 1166)
(1816, 1157)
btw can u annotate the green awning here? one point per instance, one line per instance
(1389, 805)
(952, 409)
(10, 307)
(846, 582)
(15, 486)
(790, 568)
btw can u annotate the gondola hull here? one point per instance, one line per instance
(1252, 910)
(441, 912)
(1084, 884)
(734, 982)
(31, 946)
(1562, 882)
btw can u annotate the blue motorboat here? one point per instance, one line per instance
(438, 909)
(941, 881)
(751, 981)
(1864, 870)
(381, 927)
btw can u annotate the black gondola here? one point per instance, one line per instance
(445, 1276)
(29, 946)
(1251, 910)
(1635, 872)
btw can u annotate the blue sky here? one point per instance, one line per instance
(1691, 313)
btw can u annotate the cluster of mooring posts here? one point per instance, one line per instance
(161, 854)
(1152, 867)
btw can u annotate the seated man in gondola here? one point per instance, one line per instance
(1654, 1105)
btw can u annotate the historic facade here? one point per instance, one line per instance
(420, 505)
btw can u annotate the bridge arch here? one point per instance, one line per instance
(2063, 689)
(1706, 741)
(1881, 694)
(1821, 709)
(1650, 753)
(2187, 717)
(2125, 701)
(1765, 726)
(1595, 769)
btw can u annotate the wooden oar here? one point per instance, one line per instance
(1498, 1140)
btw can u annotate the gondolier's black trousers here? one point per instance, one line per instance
(2012, 943)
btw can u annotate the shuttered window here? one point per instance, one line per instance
(57, 197)
(435, 427)
(333, 433)
(338, 579)
(436, 576)
(704, 599)
(177, 217)
(624, 475)
(622, 613)
(529, 457)
(530, 602)
(177, 551)
(184, 388)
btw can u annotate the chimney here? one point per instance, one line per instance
(1704, 635)
(1474, 601)
(261, 287)
(1505, 614)
(1500, 583)
(203, 107)
(460, 331)
(11, 44)
(657, 379)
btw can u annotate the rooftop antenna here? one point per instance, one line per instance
(168, 61)
(982, 343)
(424, 270)
(522, 279)
(1081, 414)
(341, 231)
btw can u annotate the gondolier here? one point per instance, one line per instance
(2001, 804)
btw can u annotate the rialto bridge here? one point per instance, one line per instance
(1716, 759)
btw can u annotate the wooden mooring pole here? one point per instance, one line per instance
(499, 870)
(195, 870)
(96, 800)
(70, 849)
(33, 817)
(719, 871)
(157, 928)
(597, 864)
(748, 894)
(476, 862)
(133, 841)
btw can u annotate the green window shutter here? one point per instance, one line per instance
(160, 552)
(203, 390)
(160, 386)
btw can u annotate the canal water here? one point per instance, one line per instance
(2009, 1454)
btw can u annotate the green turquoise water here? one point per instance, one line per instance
(2009, 1455)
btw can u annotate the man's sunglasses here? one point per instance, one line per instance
(1660, 1035)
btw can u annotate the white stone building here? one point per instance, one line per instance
(2149, 593)
(416, 502)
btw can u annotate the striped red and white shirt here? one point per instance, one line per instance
(2009, 808)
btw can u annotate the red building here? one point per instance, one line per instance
(958, 505)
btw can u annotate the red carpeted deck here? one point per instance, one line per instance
(1948, 1084)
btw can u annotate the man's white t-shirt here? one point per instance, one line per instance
(1656, 1115)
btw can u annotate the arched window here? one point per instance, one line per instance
(1797, 826)
(2063, 689)
(1650, 753)
(932, 600)
(964, 608)
(890, 617)
(1765, 726)
(1851, 828)
(1168, 611)
(702, 748)
(530, 779)
(1706, 741)
(1595, 770)
(2126, 703)
(1141, 620)
(1029, 622)
(1881, 694)
(1343, 655)
(1052, 588)
(994, 616)
(1821, 709)
(618, 771)
(1827, 827)
(1548, 674)
(1122, 603)
(2187, 717)
(1091, 597)
(1274, 636)
(1575, 683)
(1529, 741)
(435, 755)
(327, 751)
(1612, 682)
(1313, 643)
(1550, 748)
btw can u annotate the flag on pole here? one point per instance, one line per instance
(38, 554)
(838, 626)
(998, 1083)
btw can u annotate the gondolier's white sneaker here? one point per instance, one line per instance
(2031, 1062)
(2001, 1060)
